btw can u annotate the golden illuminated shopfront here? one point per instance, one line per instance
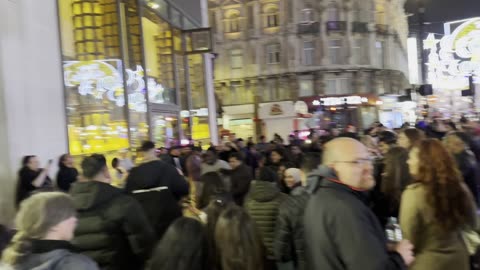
(133, 70)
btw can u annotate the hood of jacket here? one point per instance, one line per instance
(88, 195)
(42, 261)
(314, 177)
(263, 191)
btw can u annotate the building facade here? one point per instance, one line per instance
(284, 50)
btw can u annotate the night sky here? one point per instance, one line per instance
(440, 11)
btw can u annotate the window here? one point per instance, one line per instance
(235, 92)
(380, 49)
(380, 12)
(271, 16)
(250, 19)
(357, 13)
(273, 54)
(335, 53)
(307, 15)
(269, 93)
(232, 22)
(333, 13)
(358, 49)
(339, 86)
(306, 88)
(236, 59)
(308, 53)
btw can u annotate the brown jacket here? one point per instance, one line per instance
(434, 249)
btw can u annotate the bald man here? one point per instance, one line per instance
(340, 230)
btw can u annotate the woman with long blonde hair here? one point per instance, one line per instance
(46, 223)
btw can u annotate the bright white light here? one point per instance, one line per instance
(316, 102)
(412, 60)
(184, 142)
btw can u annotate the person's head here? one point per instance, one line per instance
(213, 185)
(432, 165)
(396, 175)
(43, 216)
(95, 168)
(240, 143)
(263, 139)
(235, 160)
(277, 156)
(455, 142)
(410, 137)
(238, 241)
(175, 151)
(148, 149)
(386, 140)
(350, 160)
(31, 162)
(293, 177)
(268, 175)
(282, 167)
(182, 247)
(296, 150)
(65, 160)
(211, 156)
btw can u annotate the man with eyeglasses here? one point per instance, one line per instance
(341, 232)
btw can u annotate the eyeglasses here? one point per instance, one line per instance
(358, 161)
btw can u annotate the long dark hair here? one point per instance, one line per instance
(446, 194)
(26, 160)
(61, 160)
(183, 247)
(238, 242)
(396, 176)
(213, 185)
(414, 136)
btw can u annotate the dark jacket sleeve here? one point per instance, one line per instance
(176, 182)
(359, 244)
(138, 229)
(76, 262)
(282, 242)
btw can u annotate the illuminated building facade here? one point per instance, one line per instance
(280, 50)
(133, 70)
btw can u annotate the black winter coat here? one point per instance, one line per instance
(468, 166)
(262, 204)
(289, 241)
(66, 177)
(112, 227)
(342, 233)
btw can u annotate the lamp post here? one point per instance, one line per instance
(420, 36)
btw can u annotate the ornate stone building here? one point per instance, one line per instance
(277, 50)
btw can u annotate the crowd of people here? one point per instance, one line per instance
(319, 203)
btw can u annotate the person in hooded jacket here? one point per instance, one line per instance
(262, 204)
(112, 227)
(240, 177)
(289, 240)
(46, 223)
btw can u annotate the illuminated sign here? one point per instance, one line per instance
(101, 79)
(454, 57)
(336, 101)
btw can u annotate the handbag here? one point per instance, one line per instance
(471, 240)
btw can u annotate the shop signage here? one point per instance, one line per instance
(276, 109)
(336, 101)
(199, 112)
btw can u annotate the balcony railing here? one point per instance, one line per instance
(336, 26)
(308, 28)
(359, 27)
(382, 29)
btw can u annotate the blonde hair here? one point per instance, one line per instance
(36, 217)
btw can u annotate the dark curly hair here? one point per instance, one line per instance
(446, 194)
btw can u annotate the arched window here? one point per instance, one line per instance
(333, 13)
(380, 15)
(357, 12)
(232, 21)
(271, 16)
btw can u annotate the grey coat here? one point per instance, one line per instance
(59, 259)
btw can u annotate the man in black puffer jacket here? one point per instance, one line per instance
(112, 227)
(289, 240)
